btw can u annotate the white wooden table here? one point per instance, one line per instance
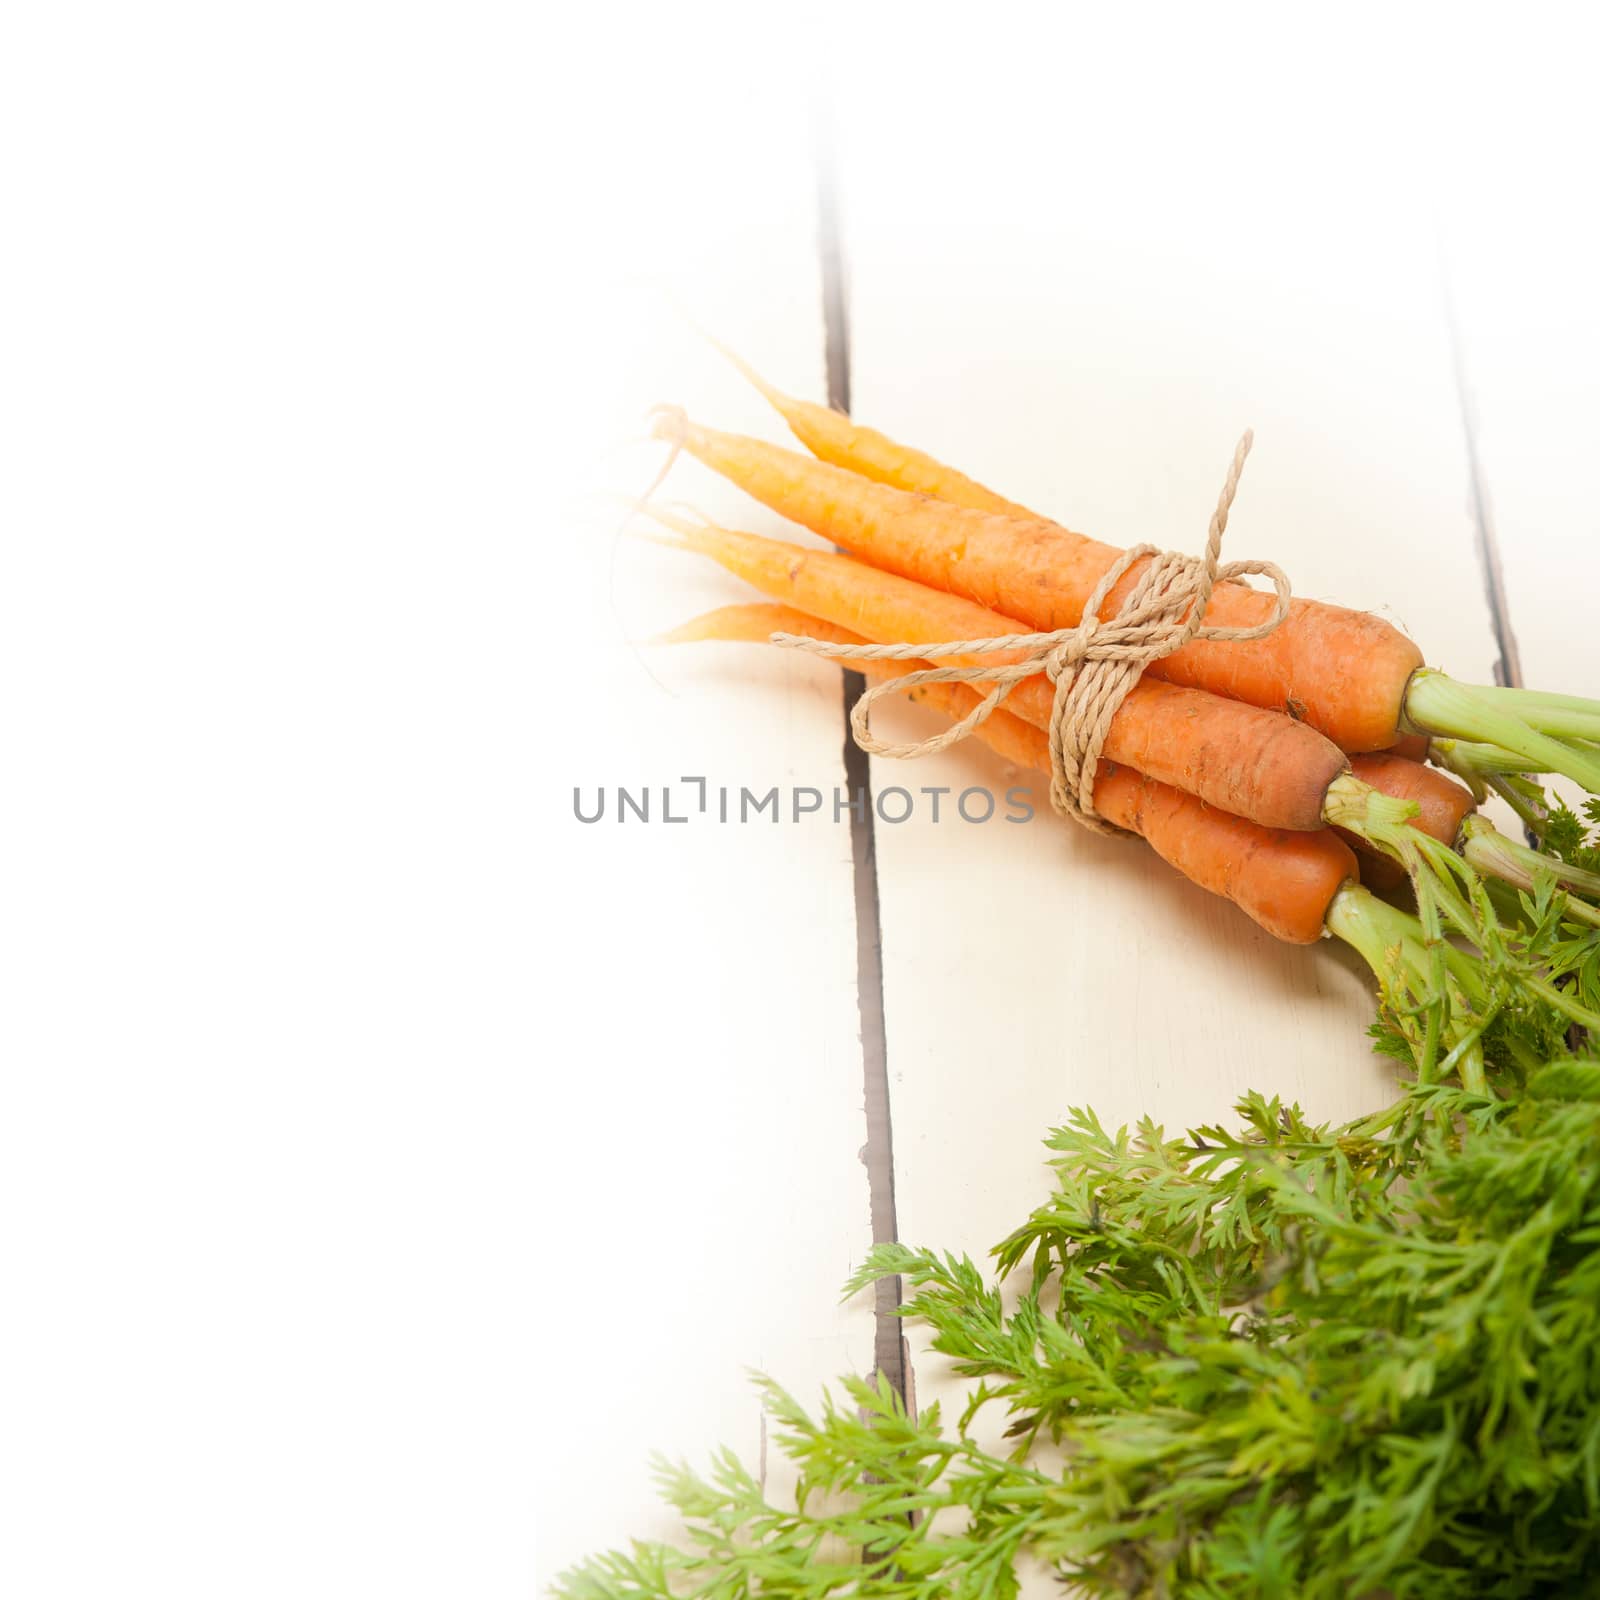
(1081, 303)
(391, 1160)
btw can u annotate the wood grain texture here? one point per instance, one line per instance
(1083, 313)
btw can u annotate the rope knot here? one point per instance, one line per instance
(1063, 660)
(1092, 665)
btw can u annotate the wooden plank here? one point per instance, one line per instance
(1083, 303)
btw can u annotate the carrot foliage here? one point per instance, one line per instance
(1262, 1359)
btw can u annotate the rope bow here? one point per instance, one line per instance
(1093, 666)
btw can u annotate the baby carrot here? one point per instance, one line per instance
(833, 437)
(1348, 673)
(754, 623)
(1283, 880)
(1344, 672)
(1441, 802)
(1009, 736)
(1255, 763)
(1445, 811)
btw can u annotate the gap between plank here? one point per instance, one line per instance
(888, 1345)
(1508, 666)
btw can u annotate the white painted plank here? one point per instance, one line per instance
(1080, 282)
(1523, 259)
(389, 1160)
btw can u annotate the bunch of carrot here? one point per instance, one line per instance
(1252, 766)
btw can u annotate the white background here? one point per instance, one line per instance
(385, 1164)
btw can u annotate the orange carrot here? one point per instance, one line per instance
(833, 437)
(1009, 736)
(755, 624)
(1284, 880)
(1345, 672)
(1442, 803)
(1257, 764)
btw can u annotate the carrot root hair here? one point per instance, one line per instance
(768, 392)
(671, 423)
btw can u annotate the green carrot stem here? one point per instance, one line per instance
(1540, 699)
(1439, 706)
(1357, 916)
(1385, 823)
(1507, 905)
(1526, 799)
(1350, 803)
(1421, 977)
(1467, 759)
(1380, 933)
(1492, 852)
(1466, 1060)
(1486, 769)
(1563, 1002)
(1562, 722)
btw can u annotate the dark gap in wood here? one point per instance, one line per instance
(1508, 665)
(835, 286)
(889, 1351)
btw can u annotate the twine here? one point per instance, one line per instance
(1093, 666)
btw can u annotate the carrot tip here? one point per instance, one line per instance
(713, 627)
(710, 628)
(773, 396)
(681, 519)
